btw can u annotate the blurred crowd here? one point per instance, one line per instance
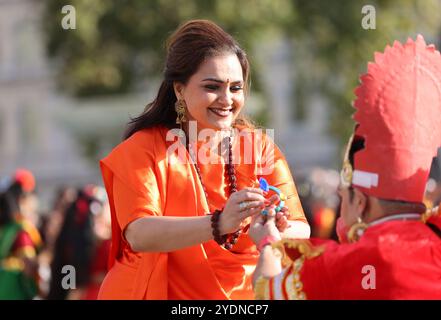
(320, 201)
(35, 246)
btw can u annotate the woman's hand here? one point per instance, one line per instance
(262, 226)
(241, 205)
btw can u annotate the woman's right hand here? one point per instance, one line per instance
(233, 216)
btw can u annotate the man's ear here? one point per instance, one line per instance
(178, 87)
(360, 202)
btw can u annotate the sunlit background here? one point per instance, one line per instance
(66, 95)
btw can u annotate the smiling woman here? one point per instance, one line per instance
(179, 228)
(203, 62)
(212, 99)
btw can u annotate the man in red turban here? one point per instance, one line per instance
(390, 244)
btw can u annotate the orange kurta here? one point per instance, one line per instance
(143, 179)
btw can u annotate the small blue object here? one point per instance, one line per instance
(263, 184)
(265, 212)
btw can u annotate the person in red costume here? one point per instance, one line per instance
(19, 238)
(390, 244)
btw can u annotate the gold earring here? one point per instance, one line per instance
(356, 230)
(180, 108)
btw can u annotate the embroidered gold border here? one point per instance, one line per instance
(261, 289)
(293, 282)
(304, 246)
(294, 285)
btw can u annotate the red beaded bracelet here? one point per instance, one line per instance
(220, 239)
(266, 241)
(227, 240)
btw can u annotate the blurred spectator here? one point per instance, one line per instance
(52, 224)
(318, 194)
(78, 245)
(102, 232)
(50, 228)
(22, 191)
(19, 238)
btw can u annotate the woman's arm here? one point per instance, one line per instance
(297, 230)
(293, 229)
(166, 234)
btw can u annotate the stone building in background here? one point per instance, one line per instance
(61, 138)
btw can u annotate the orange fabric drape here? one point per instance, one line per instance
(143, 179)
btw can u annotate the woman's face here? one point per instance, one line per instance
(214, 94)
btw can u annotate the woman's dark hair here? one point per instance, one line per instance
(187, 48)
